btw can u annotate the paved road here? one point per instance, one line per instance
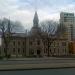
(34, 63)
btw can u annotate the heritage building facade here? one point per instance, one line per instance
(35, 44)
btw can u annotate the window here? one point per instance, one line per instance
(18, 43)
(23, 43)
(63, 43)
(46, 50)
(13, 50)
(54, 44)
(18, 50)
(54, 50)
(14, 43)
(57, 43)
(4, 50)
(38, 52)
(32, 51)
(65, 19)
(58, 50)
(23, 50)
(38, 42)
(65, 51)
(31, 43)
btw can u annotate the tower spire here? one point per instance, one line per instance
(35, 20)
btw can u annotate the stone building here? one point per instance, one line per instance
(16, 47)
(35, 44)
(59, 47)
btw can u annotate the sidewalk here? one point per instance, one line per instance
(46, 58)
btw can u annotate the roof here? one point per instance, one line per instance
(19, 34)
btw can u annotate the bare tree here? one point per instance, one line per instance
(49, 27)
(7, 27)
(3, 27)
(60, 30)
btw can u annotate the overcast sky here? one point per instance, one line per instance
(23, 10)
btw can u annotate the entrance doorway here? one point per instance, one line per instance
(39, 53)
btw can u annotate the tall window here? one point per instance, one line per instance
(46, 50)
(14, 50)
(18, 43)
(31, 43)
(57, 43)
(54, 50)
(65, 51)
(23, 50)
(54, 44)
(23, 43)
(38, 42)
(58, 51)
(4, 50)
(19, 50)
(14, 43)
